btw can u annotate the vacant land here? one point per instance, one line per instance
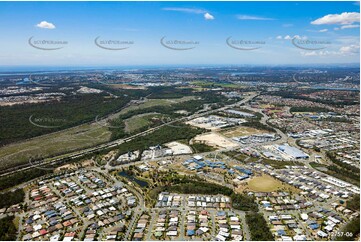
(179, 148)
(241, 131)
(215, 140)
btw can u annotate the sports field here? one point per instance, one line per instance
(264, 183)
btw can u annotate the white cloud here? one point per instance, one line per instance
(343, 51)
(343, 18)
(309, 53)
(323, 30)
(45, 25)
(208, 16)
(249, 17)
(319, 53)
(350, 49)
(186, 10)
(288, 37)
(350, 26)
(348, 40)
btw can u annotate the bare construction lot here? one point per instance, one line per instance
(216, 140)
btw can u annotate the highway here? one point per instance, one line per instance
(65, 158)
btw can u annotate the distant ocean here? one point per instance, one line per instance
(11, 69)
(49, 69)
(45, 69)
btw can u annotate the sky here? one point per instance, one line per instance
(208, 33)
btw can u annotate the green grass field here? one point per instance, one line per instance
(214, 84)
(139, 121)
(55, 143)
(156, 102)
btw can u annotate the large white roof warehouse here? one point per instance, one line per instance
(293, 152)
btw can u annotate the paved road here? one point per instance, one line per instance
(132, 225)
(246, 233)
(151, 225)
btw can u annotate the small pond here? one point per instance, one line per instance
(133, 179)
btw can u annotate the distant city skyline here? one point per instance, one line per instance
(100, 34)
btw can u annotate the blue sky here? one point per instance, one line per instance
(268, 27)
